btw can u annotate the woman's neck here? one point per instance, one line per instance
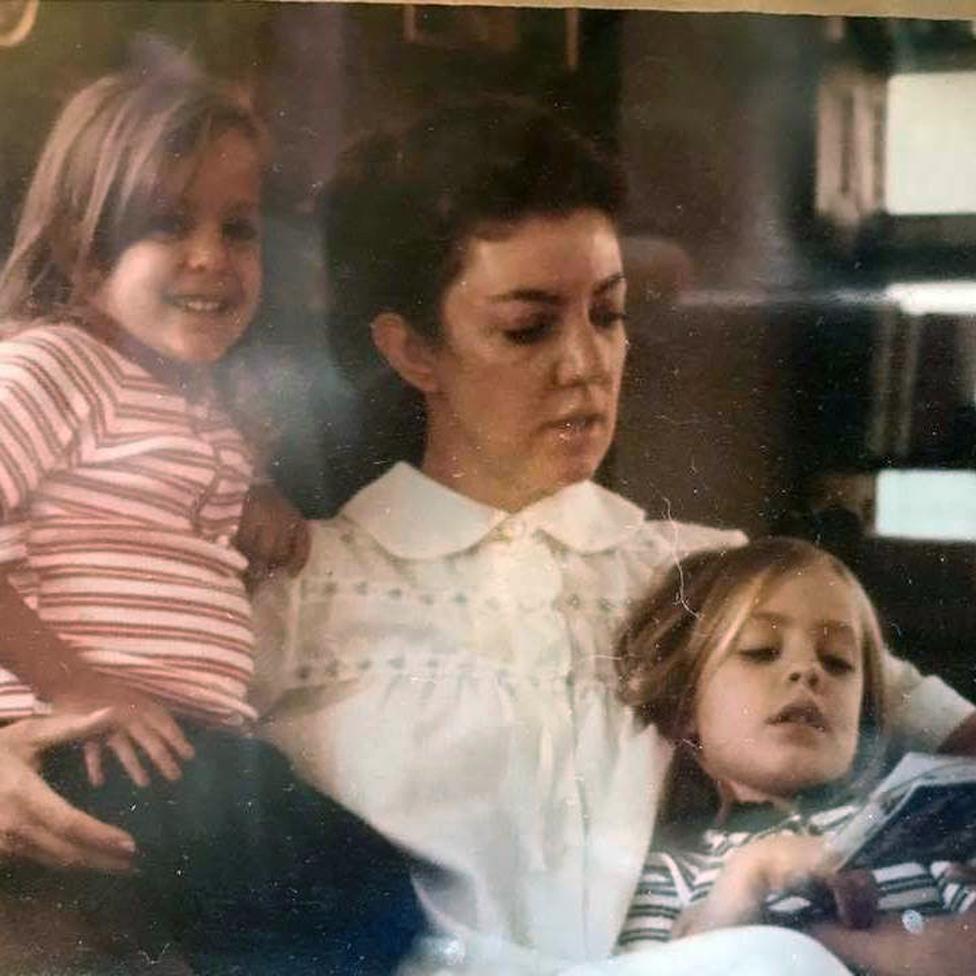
(473, 481)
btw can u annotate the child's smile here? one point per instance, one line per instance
(188, 288)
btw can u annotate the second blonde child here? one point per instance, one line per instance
(763, 666)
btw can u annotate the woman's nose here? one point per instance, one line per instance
(582, 356)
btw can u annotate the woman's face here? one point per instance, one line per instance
(526, 377)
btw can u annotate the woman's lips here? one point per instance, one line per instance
(578, 423)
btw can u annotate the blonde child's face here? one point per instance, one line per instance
(188, 289)
(779, 710)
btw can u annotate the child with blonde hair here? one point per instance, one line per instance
(763, 666)
(136, 267)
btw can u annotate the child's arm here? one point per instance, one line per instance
(750, 875)
(57, 674)
(272, 533)
(945, 945)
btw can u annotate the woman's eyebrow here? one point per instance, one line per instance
(542, 296)
(611, 281)
(527, 295)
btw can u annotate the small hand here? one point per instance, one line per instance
(135, 723)
(35, 822)
(750, 875)
(855, 896)
(272, 533)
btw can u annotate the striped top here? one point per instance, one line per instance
(119, 500)
(673, 880)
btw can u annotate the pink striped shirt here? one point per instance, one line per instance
(119, 498)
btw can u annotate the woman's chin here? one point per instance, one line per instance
(565, 476)
(579, 465)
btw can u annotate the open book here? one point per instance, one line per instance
(924, 810)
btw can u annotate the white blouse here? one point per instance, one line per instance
(445, 670)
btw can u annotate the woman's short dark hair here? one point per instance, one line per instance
(403, 204)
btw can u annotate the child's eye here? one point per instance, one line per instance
(759, 655)
(167, 225)
(242, 229)
(836, 664)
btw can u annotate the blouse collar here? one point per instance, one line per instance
(414, 517)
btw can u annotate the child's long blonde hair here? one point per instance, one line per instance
(100, 175)
(696, 614)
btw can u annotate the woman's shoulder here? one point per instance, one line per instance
(342, 554)
(671, 537)
(680, 539)
(331, 539)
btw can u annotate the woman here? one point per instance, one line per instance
(444, 663)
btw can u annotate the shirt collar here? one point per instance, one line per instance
(414, 517)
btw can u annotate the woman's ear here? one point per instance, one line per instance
(408, 352)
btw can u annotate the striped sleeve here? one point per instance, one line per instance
(47, 396)
(956, 898)
(656, 905)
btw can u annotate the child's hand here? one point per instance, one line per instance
(272, 534)
(751, 874)
(135, 723)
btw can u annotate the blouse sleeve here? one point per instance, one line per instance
(275, 607)
(925, 709)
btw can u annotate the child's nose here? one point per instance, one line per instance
(206, 250)
(805, 673)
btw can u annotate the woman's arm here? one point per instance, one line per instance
(962, 740)
(38, 824)
(945, 946)
(926, 713)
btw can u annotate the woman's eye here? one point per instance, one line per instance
(608, 318)
(242, 229)
(759, 655)
(532, 331)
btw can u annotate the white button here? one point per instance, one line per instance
(513, 529)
